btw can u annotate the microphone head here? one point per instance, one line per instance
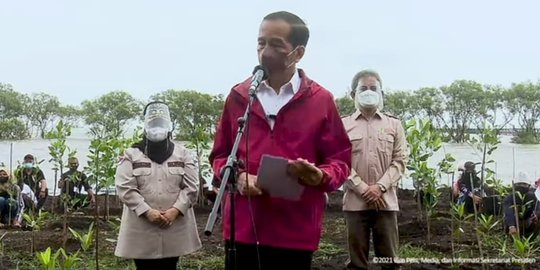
(263, 69)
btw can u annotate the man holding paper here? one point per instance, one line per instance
(293, 119)
(379, 156)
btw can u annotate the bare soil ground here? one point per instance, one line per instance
(16, 245)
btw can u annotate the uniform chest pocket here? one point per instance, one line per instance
(357, 142)
(141, 175)
(175, 179)
(386, 143)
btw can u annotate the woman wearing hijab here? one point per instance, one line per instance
(10, 200)
(157, 182)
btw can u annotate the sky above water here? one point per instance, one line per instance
(79, 50)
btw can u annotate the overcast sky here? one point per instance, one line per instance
(81, 49)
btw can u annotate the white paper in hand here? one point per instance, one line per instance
(274, 180)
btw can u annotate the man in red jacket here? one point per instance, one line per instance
(292, 117)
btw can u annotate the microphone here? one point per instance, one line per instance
(260, 73)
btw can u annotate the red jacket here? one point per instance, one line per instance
(308, 127)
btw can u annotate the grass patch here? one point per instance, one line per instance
(205, 263)
(410, 251)
(327, 251)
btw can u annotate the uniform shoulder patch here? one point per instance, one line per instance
(137, 165)
(176, 164)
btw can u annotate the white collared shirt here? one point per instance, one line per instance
(272, 102)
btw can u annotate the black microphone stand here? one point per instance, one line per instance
(229, 180)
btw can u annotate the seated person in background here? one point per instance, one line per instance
(10, 198)
(29, 200)
(28, 173)
(526, 205)
(468, 188)
(71, 184)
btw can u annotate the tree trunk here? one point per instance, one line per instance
(428, 228)
(96, 221)
(418, 200)
(107, 204)
(54, 191)
(65, 230)
(33, 245)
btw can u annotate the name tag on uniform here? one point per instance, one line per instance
(141, 165)
(175, 164)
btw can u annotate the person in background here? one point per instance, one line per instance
(158, 182)
(72, 182)
(526, 206)
(10, 201)
(379, 156)
(295, 118)
(468, 188)
(30, 174)
(29, 199)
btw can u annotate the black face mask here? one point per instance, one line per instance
(3, 179)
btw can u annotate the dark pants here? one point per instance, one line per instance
(8, 210)
(41, 201)
(155, 264)
(360, 226)
(269, 258)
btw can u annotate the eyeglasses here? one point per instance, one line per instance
(372, 88)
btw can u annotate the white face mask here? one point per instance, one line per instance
(368, 99)
(157, 122)
(157, 134)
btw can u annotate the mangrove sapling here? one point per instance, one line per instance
(459, 213)
(477, 232)
(102, 162)
(58, 149)
(85, 239)
(68, 261)
(51, 261)
(424, 141)
(47, 259)
(524, 247)
(35, 222)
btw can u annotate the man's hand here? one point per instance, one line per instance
(476, 199)
(379, 204)
(372, 194)
(307, 173)
(512, 230)
(171, 215)
(248, 186)
(156, 217)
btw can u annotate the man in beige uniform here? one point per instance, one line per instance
(379, 156)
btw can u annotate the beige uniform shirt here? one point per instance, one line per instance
(143, 185)
(379, 155)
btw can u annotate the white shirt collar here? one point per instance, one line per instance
(293, 84)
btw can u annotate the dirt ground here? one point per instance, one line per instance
(332, 254)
